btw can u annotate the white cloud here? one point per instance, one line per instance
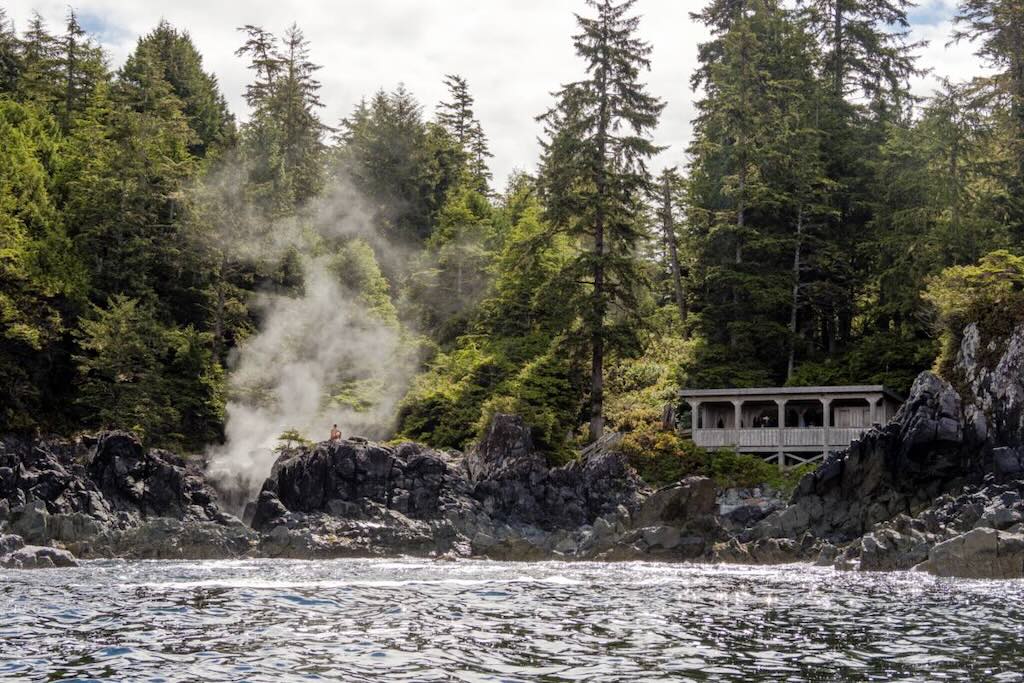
(513, 52)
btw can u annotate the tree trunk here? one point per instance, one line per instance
(670, 243)
(738, 255)
(218, 315)
(838, 49)
(795, 303)
(69, 92)
(597, 331)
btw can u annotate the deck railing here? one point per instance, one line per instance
(768, 437)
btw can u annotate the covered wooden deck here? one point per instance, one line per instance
(787, 425)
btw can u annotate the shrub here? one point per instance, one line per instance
(989, 293)
(662, 458)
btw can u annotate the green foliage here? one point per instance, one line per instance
(662, 458)
(593, 181)
(289, 439)
(402, 164)
(545, 393)
(38, 276)
(121, 385)
(167, 56)
(283, 139)
(880, 358)
(136, 374)
(443, 406)
(357, 270)
(989, 293)
(137, 223)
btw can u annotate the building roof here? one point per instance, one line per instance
(849, 391)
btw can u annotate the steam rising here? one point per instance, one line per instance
(321, 356)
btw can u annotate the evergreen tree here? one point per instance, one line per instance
(284, 138)
(82, 64)
(456, 116)
(479, 153)
(294, 104)
(669, 183)
(458, 119)
(755, 194)
(867, 48)
(998, 26)
(265, 63)
(41, 76)
(404, 166)
(10, 55)
(39, 278)
(171, 56)
(593, 171)
(867, 57)
(121, 383)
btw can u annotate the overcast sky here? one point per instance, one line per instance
(512, 52)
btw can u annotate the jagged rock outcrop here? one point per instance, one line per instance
(891, 470)
(891, 498)
(514, 483)
(940, 488)
(108, 496)
(501, 500)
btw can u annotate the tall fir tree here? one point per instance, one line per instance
(456, 116)
(168, 54)
(10, 55)
(997, 27)
(594, 174)
(41, 77)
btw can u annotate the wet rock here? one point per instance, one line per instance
(661, 537)
(9, 543)
(512, 480)
(768, 551)
(37, 557)
(739, 508)
(690, 499)
(937, 442)
(978, 554)
(892, 550)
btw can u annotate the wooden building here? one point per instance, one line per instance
(787, 425)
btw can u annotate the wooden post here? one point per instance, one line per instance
(781, 403)
(737, 407)
(694, 415)
(873, 401)
(826, 422)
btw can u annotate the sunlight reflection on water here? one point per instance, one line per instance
(372, 620)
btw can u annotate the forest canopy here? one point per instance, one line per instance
(825, 226)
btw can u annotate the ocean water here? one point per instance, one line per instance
(414, 620)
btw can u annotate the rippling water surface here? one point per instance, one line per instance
(366, 620)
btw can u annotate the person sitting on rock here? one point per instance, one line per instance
(335, 433)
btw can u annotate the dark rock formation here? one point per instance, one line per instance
(949, 466)
(940, 488)
(500, 500)
(513, 482)
(107, 496)
(408, 479)
(892, 470)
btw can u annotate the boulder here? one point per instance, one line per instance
(978, 554)
(37, 557)
(9, 543)
(678, 504)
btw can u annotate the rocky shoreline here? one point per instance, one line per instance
(938, 489)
